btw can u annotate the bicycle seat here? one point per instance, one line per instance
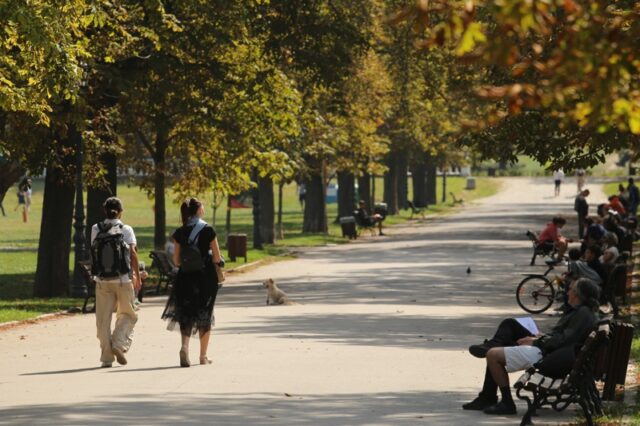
(550, 263)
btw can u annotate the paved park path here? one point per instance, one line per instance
(380, 336)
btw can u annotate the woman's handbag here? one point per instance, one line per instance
(220, 274)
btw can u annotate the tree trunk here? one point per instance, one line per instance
(315, 206)
(257, 235)
(364, 189)
(346, 194)
(403, 182)
(280, 225)
(431, 179)
(227, 222)
(444, 185)
(418, 181)
(54, 245)
(267, 210)
(10, 172)
(97, 196)
(391, 185)
(159, 208)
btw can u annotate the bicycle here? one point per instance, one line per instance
(536, 292)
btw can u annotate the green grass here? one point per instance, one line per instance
(19, 241)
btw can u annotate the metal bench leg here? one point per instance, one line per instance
(531, 410)
(585, 409)
(533, 259)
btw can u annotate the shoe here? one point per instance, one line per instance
(184, 359)
(480, 351)
(119, 356)
(204, 360)
(106, 365)
(382, 233)
(501, 408)
(480, 403)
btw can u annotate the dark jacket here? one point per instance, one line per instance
(572, 329)
(581, 206)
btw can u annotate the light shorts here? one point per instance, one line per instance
(521, 357)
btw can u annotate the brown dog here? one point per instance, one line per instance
(275, 295)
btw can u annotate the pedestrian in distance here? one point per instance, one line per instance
(190, 304)
(115, 267)
(558, 177)
(581, 179)
(634, 197)
(582, 208)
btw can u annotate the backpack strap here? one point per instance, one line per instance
(193, 236)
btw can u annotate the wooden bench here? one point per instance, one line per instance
(456, 200)
(613, 359)
(165, 267)
(538, 249)
(90, 283)
(576, 387)
(363, 226)
(415, 210)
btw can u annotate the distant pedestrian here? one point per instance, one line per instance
(115, 265)
(24, 198)
(302, 194)
(190, 305)
(581, 178)
(634, 197)
(582, 208)
(558, 177)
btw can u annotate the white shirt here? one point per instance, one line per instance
(127, 235)
(558, 175)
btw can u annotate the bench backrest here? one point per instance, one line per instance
(585, 360)
(532, 236)
(162, 262)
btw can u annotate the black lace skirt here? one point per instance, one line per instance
(190, 304)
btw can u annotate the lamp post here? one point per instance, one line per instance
(78, 285)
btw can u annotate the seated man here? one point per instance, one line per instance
(369, 220)
(550, 237)
(514, 348)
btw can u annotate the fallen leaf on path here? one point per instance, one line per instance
(286, 394)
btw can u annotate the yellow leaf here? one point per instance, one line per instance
(634, 124)
(470, 38)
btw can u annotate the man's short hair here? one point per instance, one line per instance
(559, 220)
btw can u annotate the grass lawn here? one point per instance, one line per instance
(19, 241)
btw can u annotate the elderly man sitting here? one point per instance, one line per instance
(514, 348)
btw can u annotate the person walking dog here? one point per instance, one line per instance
(115, 265)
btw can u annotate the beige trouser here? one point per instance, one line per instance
(114, 296)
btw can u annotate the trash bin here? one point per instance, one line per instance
(471, 183)
(348, 225)
(381, 209)
(237, 246)
(491, 171)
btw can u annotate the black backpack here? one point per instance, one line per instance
(191, 260)
(110, 255)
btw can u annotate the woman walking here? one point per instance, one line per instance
(190, 305)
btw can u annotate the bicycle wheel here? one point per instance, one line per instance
(535, 294)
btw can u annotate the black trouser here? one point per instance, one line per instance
(581, 219)
(508, 333)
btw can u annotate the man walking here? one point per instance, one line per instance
(582, 208)
(115, 265)
(558, 177)
(634, 197)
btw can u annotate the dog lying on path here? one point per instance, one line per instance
(275, 295)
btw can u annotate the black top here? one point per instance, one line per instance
(206, 235)
(572, 328)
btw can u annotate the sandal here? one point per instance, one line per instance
(184, 359)
(204, 360)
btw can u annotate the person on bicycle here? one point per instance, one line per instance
(551, 238)
(513, 347)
